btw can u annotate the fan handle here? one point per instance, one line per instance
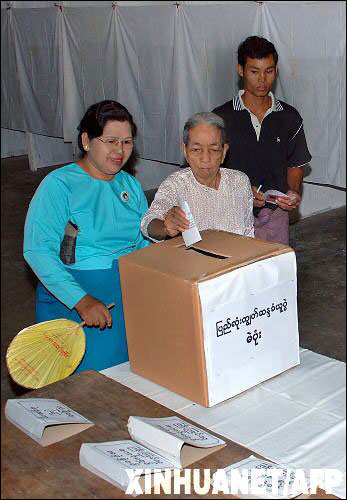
(108, 307)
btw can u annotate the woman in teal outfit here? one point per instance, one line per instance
(81, 219)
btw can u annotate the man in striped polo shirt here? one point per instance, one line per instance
(266, 139)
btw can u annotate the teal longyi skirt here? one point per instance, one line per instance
(104, 348)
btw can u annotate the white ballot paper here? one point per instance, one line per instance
(258, 478)
(270, 195)
(45, 420)
(192, 234)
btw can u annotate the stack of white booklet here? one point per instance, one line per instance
(258, 478)
(158, 444)
(45, 420)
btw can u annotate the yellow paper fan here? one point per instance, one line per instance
(46, 352)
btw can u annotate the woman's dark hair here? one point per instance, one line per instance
(98, 115)
(95, 119)
(255, 47)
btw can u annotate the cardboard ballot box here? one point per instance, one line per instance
(213, 320)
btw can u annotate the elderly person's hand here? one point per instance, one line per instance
(258, 197)
(291, 201)
(175, 222)
(94, 312)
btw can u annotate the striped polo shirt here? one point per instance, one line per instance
(264, 151)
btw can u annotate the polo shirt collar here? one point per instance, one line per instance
(239, 106)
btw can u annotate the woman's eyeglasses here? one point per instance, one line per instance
(115, 142)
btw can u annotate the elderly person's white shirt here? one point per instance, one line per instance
(228, 208)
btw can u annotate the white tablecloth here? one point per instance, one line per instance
(297, 419)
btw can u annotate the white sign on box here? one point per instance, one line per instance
(248, 315)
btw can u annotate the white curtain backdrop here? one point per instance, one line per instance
(166, 62)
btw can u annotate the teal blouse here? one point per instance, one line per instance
(108, 216)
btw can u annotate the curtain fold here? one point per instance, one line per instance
(165, 63)
(37, 45)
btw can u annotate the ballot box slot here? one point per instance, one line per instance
(205, 252)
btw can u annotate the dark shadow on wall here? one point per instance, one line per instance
(295, 215)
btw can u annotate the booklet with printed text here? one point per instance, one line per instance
(157, 444)
(45, 420)
(259, 478)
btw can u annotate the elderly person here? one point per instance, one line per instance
(218, 198)
(82, 217)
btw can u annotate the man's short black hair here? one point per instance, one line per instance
(255, 47)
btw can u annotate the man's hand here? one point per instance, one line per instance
(294, 178)
(175, 222)
(258, 198)
(293, 200)
(94, 312)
